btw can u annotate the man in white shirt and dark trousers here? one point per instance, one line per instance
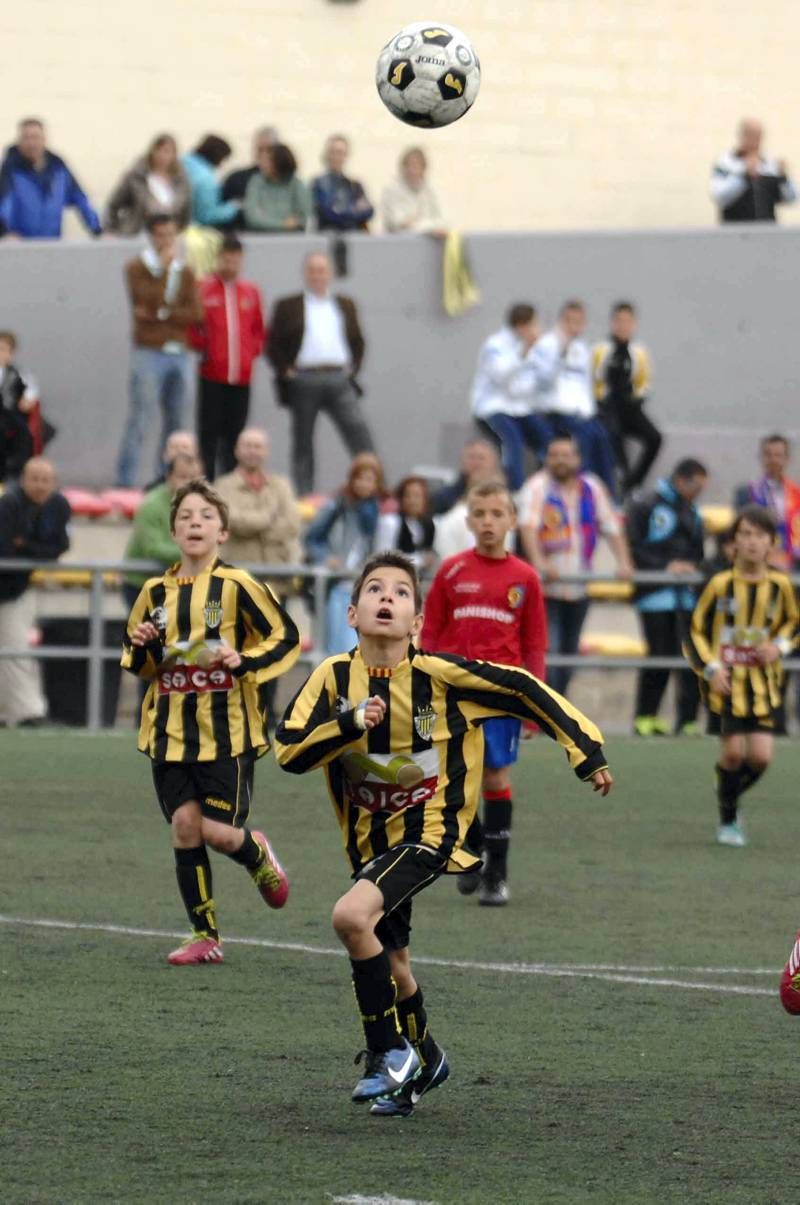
(562, 360)
(316, 348)
(503, 392)
(746, 184)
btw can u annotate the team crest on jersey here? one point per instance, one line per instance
(424, 720)
(515, 596)
(212, 613)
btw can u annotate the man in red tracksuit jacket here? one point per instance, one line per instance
(488, 604)
(231, 337)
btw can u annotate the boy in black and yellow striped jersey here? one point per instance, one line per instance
(399, 734)
(208, 637)
(744, 622)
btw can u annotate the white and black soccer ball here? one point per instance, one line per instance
(428, 74)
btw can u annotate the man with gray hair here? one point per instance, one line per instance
(746, 184)
(33, 524)
(316, 348)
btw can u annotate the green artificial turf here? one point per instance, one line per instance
(124, 1079)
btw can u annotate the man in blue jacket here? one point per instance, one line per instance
(665, 531)
(36, 187)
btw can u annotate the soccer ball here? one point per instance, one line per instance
(428, 74)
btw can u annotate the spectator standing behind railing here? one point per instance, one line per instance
(33, 524)
(276, 200)
(165, 302)
(36, 187)
(151, 537)
(746, 184)
(316, 348)
(156, 183)
(778, 494)
(235, 183)
(666, 533)
(231, 337)
(504, 392)
(263, 516)
(563, 512)
(409, 203)
(200, 165)
(479, 463)
(410, 529)
(562, 360)
(622, 380)
(340, 203)
(341, 537)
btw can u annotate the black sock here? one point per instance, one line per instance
(193, 870)
(414, 1024)
(497, 833)
(376, 996)
(750, 776)
(729, 788)
(474, 837)
(249, 853)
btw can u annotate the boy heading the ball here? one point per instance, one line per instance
(487, 604)
(207, 638)
(399, 735)
(744, 622)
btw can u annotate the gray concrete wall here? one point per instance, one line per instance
(719, 311)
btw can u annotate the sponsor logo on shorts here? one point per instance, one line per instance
(220, 804)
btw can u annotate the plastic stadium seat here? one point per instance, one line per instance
(610, 591)
(309, 504)
(612, 644)
(717, 518)
(86, 504)
(81, 578)
(125, 502)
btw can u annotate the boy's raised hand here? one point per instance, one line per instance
(144, 633)
(370, 713)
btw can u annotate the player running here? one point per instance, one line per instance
(488, 604)
(399, 733)
(207, 637)
(744, 622)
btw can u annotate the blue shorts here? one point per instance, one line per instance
(501, 737)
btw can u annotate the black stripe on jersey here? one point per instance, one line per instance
(219, 698)
(421, 695)
(320, 714)
(158, 596)
(456, 770)
(256, 616)
(379, 741)
(191, 731)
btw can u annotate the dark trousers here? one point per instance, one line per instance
(513, 433)
(664, 632)
(221, 415)
(332, 392)
(565, 620)
(626, 420)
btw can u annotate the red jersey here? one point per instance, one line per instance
(487, 608)
(232, 334)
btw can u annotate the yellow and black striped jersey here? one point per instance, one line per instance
(415, 778)
(733, 617)
(192, 713)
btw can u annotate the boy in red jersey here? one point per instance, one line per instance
(488, 604)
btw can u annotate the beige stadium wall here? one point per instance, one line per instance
(593, 113)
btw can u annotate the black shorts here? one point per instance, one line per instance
(223, 788)
(399, 874)
(734, 725)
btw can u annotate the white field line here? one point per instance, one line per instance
(647, 977)
(358, 1199)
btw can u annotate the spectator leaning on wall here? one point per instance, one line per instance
(33, 524)
(156, 183)
(234, 186)
(164, 302)
(36, 187)
(746, 184)
(340, 202)
(200, 165)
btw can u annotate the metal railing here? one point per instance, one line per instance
(95, 652)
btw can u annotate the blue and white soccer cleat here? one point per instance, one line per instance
(731, 834)
(402, 1105)
(386, 1071)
